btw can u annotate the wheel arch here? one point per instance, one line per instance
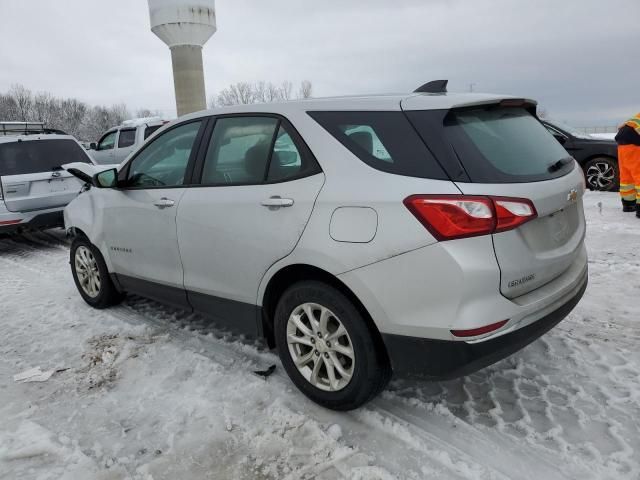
(291, 274)
(593, 156)
(76, 232)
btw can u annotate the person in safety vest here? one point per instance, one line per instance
(628, 139)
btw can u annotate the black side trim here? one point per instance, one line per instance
(236, 316)
(445, 360)
(239, 317)
(174, 296)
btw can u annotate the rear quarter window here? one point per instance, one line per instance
(33, 156)
(385, 141)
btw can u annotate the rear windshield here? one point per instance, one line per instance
(501, 144)
(383, 140)
(33, 156)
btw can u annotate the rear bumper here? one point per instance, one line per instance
(443, 360)
(32, 222)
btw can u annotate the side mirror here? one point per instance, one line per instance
(106, 179)
(93, 146)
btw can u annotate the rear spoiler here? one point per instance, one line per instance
(86, 171)
(466, 101)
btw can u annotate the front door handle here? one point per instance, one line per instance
(164, 202)
(277, 202)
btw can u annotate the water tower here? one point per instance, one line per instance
(185, 26)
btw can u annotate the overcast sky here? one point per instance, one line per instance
(579, 58)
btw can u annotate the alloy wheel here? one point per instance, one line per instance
(600, 176)
(87, 271)
(320, 347)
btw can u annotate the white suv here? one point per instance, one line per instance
(34, 188)
(118, 142)
(428, 234)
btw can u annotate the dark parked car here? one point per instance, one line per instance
(598, 157)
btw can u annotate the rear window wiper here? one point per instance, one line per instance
(554, 167)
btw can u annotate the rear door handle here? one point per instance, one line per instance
(277, 202)
(164, 202)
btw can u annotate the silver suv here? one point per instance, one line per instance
(118, 142)
(33, 186)
(426, 234)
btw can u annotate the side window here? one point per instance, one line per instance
(239, 150)
(163, 162)
(107, 141)
(127, 138)
(286, 161)
(148, 131)
(383, 140)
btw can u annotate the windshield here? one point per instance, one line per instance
(569, 129)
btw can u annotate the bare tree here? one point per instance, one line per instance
(45, 108)
(8, 108)
(72, 115)
(285, 90)
(145, 112)
(306, 89)
(24, 102)
(99, 119)
(243, 93)
(67, 114)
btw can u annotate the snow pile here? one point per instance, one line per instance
(143, 391)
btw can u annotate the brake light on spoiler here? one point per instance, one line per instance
(448, 217)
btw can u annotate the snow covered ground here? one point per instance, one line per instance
(604, 136)
(144, 392)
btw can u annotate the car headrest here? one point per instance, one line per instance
(255, 160)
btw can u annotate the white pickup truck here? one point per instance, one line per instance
(118, 142)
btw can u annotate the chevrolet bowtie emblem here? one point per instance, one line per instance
(572, 196)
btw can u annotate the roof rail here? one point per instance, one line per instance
(26, 128)
(435, 86)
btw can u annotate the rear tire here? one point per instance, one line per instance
(91, 275)
(341, 365)
(602, 174)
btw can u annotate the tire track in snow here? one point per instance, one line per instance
(230, 352)
(457, 435)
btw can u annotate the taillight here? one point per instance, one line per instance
(512, 212)
(448, 217)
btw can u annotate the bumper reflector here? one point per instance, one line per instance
(10, 222)
(474, 332)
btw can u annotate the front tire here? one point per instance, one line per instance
(327, 348)
(601, 174)
(91, 275)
